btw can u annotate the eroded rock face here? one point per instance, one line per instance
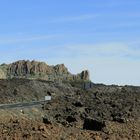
(2, 74)
(40, 70)
(25, 68)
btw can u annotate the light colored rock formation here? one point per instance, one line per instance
(40, 70)
(2, 74)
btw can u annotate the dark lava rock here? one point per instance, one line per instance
(71, 119)
(78, 104)
(120, 119)
(46, 120)
(91, 124)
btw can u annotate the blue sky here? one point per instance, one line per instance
(102, 36)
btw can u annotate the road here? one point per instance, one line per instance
(20, 105)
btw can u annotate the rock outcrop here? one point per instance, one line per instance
(40, 70)
(2, 74)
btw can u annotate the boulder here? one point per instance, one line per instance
(91, 124)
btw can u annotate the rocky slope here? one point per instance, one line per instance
(79, 109)
(40, 70)
(96, 112)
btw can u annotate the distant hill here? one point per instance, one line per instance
(40, 70)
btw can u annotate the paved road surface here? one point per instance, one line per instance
(18, 105)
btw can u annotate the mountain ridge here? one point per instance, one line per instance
(40, 70)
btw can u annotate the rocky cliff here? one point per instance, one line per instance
(40, 70)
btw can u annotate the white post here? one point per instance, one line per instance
(47, 98)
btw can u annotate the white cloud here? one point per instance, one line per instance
(74, 18)
(113, 49)
(17, 39)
